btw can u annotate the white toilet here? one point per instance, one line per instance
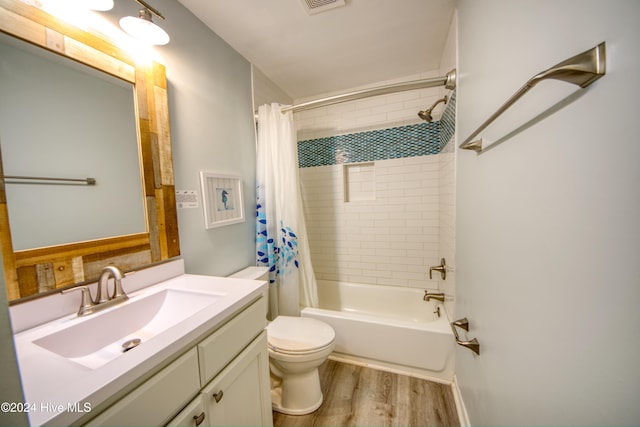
(297, 347)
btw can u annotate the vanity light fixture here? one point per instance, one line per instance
(100, 5)
(76, 5)
(142, 28)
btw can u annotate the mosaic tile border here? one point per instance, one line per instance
(448, 121)
(405, 141)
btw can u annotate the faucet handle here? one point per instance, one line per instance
(86, 303)
(442, 268)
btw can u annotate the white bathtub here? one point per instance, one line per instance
(387, 327)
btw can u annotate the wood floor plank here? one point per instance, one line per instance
(360, 396)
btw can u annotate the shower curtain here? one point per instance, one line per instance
(281, 242)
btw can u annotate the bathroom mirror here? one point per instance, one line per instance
(32, 269)
(86, 130)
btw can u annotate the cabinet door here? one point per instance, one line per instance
(240, 394)
(191, 416)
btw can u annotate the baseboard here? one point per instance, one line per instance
(438, 377)
(463, 416)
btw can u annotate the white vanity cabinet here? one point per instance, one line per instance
(237, 396)
(222, 380)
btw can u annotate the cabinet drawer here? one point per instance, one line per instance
(158, 399)
(216, 351)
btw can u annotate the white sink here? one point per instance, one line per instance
(69, 359)
(98, 339)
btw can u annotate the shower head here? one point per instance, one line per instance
(426, 114)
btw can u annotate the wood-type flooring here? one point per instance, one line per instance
(361, 396)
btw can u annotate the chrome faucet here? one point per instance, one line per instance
(103, 299)
(438, 296)
(107, 272)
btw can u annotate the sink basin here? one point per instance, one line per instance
(100, 338)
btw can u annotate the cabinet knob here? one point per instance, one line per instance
(198, 419)
(218, 396)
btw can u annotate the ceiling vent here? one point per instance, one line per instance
(316, 6)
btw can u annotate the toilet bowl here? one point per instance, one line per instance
(297, 347)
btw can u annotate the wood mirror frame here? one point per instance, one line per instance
(33, 271)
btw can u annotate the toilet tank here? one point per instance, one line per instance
(252, 273)
(259, 273)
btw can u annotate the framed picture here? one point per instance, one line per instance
(221, 199)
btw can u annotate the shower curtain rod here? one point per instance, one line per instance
(448, 81)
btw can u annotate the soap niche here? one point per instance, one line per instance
(359, 182)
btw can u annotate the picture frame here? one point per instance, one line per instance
(221, 199)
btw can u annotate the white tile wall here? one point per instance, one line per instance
(378, 112)
(395, 238)
(359, 181)
(448, 185)
(391, 240)
(447, 219)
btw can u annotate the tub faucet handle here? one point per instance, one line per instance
(442, 268)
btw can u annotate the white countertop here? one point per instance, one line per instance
(59, 391)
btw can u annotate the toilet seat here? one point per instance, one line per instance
(299, 335)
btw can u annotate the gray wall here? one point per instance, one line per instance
(267, 92)
(212, 129)
(547, 222)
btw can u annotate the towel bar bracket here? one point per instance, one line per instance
(472, 344)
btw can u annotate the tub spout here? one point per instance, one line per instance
(438, 296)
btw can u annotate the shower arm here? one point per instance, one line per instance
(426, 114)
(582, 70)
(435, 104)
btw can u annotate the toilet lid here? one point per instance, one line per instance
(288, 334)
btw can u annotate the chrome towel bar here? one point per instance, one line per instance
(87, 181)
(582, 70)
(472, 345)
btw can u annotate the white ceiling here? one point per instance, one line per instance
(366, 41)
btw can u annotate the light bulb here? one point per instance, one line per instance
(101, 5)
(143, 29)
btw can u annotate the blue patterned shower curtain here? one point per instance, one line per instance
(281, 241)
